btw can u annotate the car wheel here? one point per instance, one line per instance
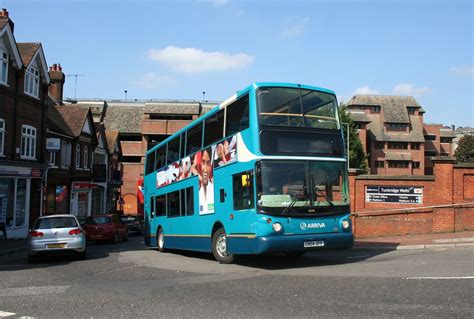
(219, 247)
(160, 237)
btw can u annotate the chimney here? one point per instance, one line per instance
(57, 83)
(5, 16)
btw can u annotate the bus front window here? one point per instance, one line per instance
(300, 187)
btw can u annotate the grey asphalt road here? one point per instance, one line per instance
(129, 281)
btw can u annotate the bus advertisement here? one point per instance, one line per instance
(265, 171)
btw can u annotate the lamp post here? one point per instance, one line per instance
(125, 91)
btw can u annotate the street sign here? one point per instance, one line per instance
(394, 194)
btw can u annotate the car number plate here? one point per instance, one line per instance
(56, 245)
(314, 243)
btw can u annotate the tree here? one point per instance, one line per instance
(357, 157)
(465, 151)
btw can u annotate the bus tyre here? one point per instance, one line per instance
(160, 238)
(219, 247)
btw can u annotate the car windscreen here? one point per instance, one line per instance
(55, 222)
(98, 220)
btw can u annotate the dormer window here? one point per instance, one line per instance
(32, 77)
(375, 109)
(3, 67)
(411, 110)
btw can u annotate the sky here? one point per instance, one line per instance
(179, 49)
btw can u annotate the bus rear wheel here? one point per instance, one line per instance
(160, 237)
(219, 247)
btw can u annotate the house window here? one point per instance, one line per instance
(2, 136)
(396, 127)
(375, 109)
(416, 164)
(397, 145)
(86, 157)
(78, 155)
(32, 81)
(445, 139)
(430, 137)
(415, 146)
(28, 142)
(379, 164)
(65, 154)
(4, 66)
(52, 159)
(379, 145)
(398, 164)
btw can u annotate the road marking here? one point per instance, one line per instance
(26, 291)
(4, 314)
(440, 278)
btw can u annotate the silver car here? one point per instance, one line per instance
(56, 234)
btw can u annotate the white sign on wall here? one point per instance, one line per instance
(53, 144)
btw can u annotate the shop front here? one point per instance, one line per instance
(15, 199)
(82, 199)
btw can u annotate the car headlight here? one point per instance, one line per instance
(345, 224)
(277, 227)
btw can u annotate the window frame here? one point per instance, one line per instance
(85, 155)
(78, 156)
(28, 142)
(4, 66)
(32, 81)
(2, 136)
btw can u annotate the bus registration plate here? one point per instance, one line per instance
(314, 243)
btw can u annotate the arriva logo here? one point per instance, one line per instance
(305, 226)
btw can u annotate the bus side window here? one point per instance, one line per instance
(173, 204)
(160, 157)
(243, 190)
(214, 128)
(194, 139)
(237, 117)
(189, 201)
(150, 163)
(160, 205)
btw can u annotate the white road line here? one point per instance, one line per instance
(26, 291)
(439, 278)
(4, 314)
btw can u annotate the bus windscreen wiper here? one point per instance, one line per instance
(320, 192)
(289, 207)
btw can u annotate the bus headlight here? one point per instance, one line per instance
(345, 224)
(277, 227)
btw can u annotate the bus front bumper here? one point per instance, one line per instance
(273, 244)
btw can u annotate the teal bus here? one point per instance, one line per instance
(264, 171)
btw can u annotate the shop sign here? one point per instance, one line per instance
(394, 194)
(36, 172)
(15, 171)
(85, 185)
(53, 144)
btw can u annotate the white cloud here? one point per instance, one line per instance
(153, 81)
(365, 90)
(191, 60)
(410, 89)
(466, 70)
(297, 27)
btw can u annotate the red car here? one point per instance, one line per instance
(105, 228)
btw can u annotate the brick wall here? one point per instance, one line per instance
(131, 173)
(447, 205)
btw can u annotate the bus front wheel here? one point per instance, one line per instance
(161, 240)
(219, 247)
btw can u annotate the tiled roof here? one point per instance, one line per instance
(74, 118)
(447, 133)
(376, 131)
(171, 108)
(3, 22)
(57, 123)
(124, 117)
(395, 156)
(394, 108)
(112, 138)
(28, 51)
(359, 117)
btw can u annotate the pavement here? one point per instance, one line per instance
(408, 242)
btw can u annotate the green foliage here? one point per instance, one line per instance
(465, 151)
(357, 157)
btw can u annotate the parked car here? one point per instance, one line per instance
(105, 228)
(134, 225)
(56, 234)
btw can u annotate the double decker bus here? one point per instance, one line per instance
(264, 171)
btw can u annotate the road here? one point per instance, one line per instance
(130, 281)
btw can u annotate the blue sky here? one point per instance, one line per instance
(178, 49)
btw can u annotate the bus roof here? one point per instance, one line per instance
(255, 85)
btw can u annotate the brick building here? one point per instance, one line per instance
(394, 136)
(24, 81)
